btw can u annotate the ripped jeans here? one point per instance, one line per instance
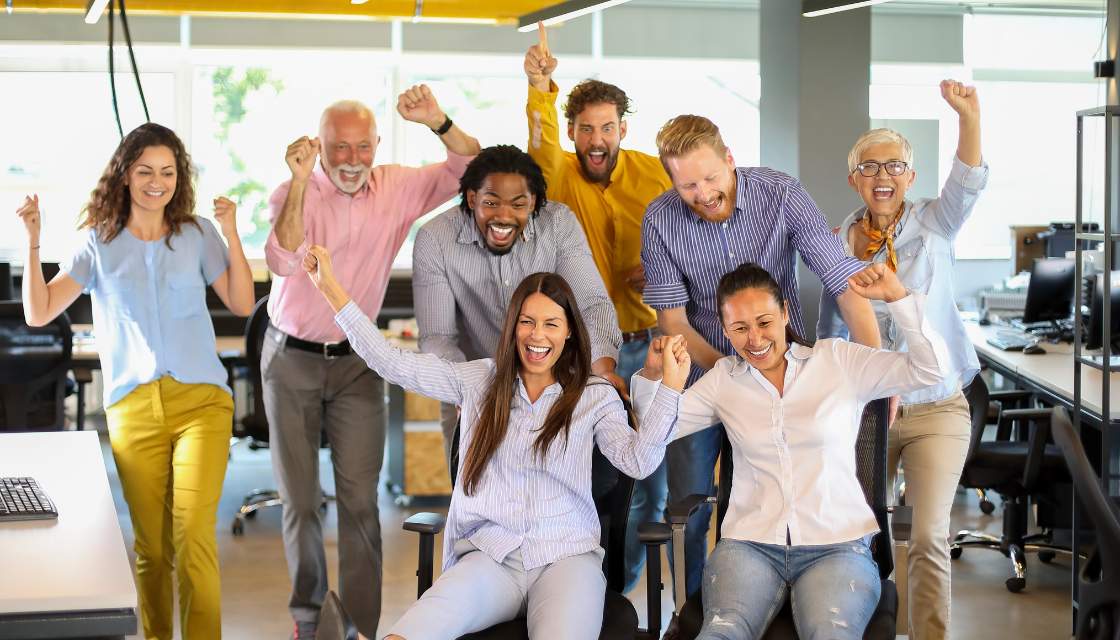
(833, 588)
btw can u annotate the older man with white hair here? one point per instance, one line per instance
(313, 382)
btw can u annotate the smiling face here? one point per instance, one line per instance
(597, 133)
(542, 334)
(349, 141)
(705, 180)
(501, 209)
(152, 180)
(883, 194)
(755, 323)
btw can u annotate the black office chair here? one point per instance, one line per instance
(871, 466)
(620, 620)
(1022, 472)
(1098, 596)
(254, 426)
(334, 622)
(34, 362)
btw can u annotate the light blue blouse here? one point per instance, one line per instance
(924, 246)
(149, 306)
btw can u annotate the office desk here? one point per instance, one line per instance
(85, 359)
(70, 577)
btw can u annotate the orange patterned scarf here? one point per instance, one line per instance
(878, 238)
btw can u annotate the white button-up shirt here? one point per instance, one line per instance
(794, 453)
(541, 506)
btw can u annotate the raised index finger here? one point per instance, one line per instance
(542, 36)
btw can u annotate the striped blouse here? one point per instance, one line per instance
(542, 507)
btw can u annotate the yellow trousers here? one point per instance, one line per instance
(171, 444)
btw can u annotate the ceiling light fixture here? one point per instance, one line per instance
(94, 9)
(814, 8)
(563, 11)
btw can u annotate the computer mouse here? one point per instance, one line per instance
(1032, 349)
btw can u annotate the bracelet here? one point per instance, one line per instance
(444, 128)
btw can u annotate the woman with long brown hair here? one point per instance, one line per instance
(522, 531)
(146, 261)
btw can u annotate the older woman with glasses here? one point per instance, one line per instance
(915, 239)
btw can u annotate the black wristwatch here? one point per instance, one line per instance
(444, 128)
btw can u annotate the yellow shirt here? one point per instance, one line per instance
(611, 216)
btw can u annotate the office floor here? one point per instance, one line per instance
(255, 580)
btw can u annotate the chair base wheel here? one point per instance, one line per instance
(987, 507)
(955, 552)
(1046, 557)
(1015, 585)
(238, 529)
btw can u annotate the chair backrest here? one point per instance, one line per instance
(1098, 611)
(34, 362)
(255, 424)
(612, 505)
(334, 622)
(871, 468)
(978, 398)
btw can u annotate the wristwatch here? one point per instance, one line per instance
(444, 128)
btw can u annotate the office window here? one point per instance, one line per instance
(1029, 97)
(59, 133)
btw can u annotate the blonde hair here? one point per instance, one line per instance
(880, 136)
(687, 133)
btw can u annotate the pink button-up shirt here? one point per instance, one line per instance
(363, 233)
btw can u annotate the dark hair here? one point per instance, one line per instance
(572, 370)
(110, 202)
(591, 92)
(751, 276)
(503, 158)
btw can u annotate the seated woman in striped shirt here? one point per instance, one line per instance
(797, 520)
(522, 531)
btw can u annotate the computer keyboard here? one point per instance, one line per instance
(1011, 340)
(22, 499)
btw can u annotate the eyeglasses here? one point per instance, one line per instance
(870, 169)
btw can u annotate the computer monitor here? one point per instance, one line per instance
(6, 281)
(1096, 312)
(1050, 293)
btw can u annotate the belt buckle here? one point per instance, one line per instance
(327, 350)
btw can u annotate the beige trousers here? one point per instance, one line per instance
(931, 442)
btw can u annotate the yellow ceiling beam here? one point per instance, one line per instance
(505, 11)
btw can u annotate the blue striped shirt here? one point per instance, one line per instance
(774, 219)
(541, 506)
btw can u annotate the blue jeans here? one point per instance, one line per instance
(691, 462)
(835, 589)
(648, 503)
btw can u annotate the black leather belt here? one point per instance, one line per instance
(634, 336)
(328, 350)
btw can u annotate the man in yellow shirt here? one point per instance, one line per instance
(609, 189)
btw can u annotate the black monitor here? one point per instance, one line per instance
(1050, 293)
(6, 281)
(1096, 312)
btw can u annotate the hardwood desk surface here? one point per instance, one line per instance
(1052, 370)
(78, 561)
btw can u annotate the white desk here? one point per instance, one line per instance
(70, 577)
(1050, 373)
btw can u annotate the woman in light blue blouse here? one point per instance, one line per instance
(146, 261)
(522, 532)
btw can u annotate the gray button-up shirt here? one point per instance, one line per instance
(461, 290)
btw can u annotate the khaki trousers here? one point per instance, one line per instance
(931, 442)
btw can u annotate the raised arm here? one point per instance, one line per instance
(425, 374)
(696, 409)
(540, 109)
(288, 226)
(638, 452)
(235, 285)
(417, 104)
(42, 302)
(969, 174)
(877, 373)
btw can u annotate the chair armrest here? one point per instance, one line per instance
(1013, 395)
(1036, 449)
(1011, 416)
(424, 522)
(902, 519)
(654, 533)
(679, 511)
